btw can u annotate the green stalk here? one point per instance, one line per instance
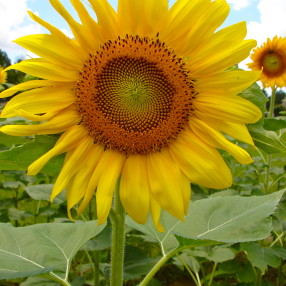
(272, 103)
(198, 282)
(117, 217)
(212, 274)
(156, 268)
(269, 157)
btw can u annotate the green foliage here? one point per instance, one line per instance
(42, 248)
(21, 156)
(229, 237)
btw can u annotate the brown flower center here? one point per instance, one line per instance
(273, 64)
(134, 95)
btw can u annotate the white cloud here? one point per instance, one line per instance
(272, 21)
(15, 23)
(240, 4)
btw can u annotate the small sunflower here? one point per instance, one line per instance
(143, 95)
(271, 58)
(3, 75)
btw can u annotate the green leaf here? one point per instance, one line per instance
(220, 254)
(192, 243)
(19, 158)
(15, 214)
(41, 248)
(102, 241)
(43, 193)
(268, 141)
(282, 138)
(229, 219)
(261, 257)
(274, 124)
(188, 259)
(10, 141)
(137, 263)
(39, 281)
(166, 240)
(256, 96)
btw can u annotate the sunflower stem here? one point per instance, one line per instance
(272, 102)
(157, 266)
(269, 157)
(118, 239)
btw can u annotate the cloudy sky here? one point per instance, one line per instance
(265, 18)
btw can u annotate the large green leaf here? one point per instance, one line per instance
(261, 257)
(10, 141)
(221, 219)
(229, 219)
(42, 248)
(137, 263)
(274, 124)
(167, 240)
(268, 141)
(20, 157)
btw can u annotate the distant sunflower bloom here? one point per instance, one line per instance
(3, 75)
(271, 59)
(141, 95)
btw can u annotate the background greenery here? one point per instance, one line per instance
(231, 237)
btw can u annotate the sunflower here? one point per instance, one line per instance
(271, 58)
(3, 75)
(142, 95)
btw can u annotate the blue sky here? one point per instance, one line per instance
(265, 18)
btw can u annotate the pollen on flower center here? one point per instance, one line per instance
(134, 95)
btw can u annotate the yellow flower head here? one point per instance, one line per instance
(271, 58)
(141, 94)
(3, 75)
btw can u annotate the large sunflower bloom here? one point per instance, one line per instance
(3, 75)
(271, 58)
(142, 95)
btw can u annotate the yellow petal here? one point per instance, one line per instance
(155, 209)
(34, 117)
(217, 140)
(92, 28)
(182, 17)
(104, 178)
(220, 41)
(68, 141)
(164, 178)
(221, 59)
(107, 18)
(134, 188)
(25, 86)
(228, 82)
(201, 163)
(37, 101)
(229, 108)
(79, 31)
(141, 17)
(108, 171)
(40, 68)
(186, 192)
(235, 130)
(75, 160)
(54, 31)
(78, 187)
(57, 124)
(53, 49)
(204, 25)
